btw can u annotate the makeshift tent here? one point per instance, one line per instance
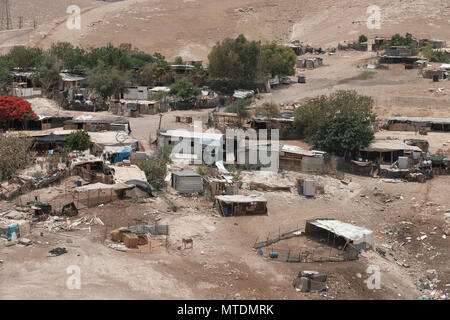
(126, 152)
(143, 185)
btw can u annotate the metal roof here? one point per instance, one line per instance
(420, 119)
(71, 77)
(191, 134)
(186, 174)
(345, 230)
(241, 198)
(384, 145)
(122, 121)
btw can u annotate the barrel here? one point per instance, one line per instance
(79, 183)
(300, 190)
(273, 255)
(261, 252)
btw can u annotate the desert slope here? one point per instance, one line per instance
(190, 27)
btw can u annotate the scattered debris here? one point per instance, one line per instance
(57, 251)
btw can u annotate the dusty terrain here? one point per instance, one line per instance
(189, 28)
(222, 263)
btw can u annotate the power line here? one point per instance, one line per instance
(5, 16)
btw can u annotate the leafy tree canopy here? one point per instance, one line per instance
(277, 59)
(343, 135)
(47, 75)
(108, 81)
(184, 89)
(78, 140)
(241, 62)
(311, 115)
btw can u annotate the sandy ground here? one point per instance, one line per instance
(223, 264)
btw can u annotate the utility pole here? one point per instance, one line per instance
(20, 22)
(160, 118)
(5, 16)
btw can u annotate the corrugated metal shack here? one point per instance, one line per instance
(239, 205)
(414, 123)
(340, 233)
(187, 182)
(98, 125)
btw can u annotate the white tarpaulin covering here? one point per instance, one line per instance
(345, 230)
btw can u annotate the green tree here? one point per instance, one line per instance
(269, 110)
(239, 106)
(398, 40)
(78, 140)
(155, 169)
(435, 56)
(25, 57)
(235, 60)
(47, 75)
(362, 39)
(108, 81)
(277, 60)
(72, 58)
(14, 154)
(311, 115)
(179, 60)
(156, 72)
(343, 135)
(184, 89)
(5, 77)
(198, 75)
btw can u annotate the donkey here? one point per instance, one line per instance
(188, 241)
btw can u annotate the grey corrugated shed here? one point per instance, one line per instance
(187, 182)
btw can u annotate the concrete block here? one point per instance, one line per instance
(302, 284)
(314, 275)
(317, 285)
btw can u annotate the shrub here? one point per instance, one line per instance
(78, 140)
(269, 110)
(155, 169)
(14, 154)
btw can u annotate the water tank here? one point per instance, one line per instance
(403, 162)
(309, 187)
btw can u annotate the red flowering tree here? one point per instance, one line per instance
(15, 109)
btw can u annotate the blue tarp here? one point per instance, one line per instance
(12, 228)
(123, 154)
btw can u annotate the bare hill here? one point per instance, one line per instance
(190, 27)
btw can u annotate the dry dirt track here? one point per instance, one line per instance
(190, 27)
